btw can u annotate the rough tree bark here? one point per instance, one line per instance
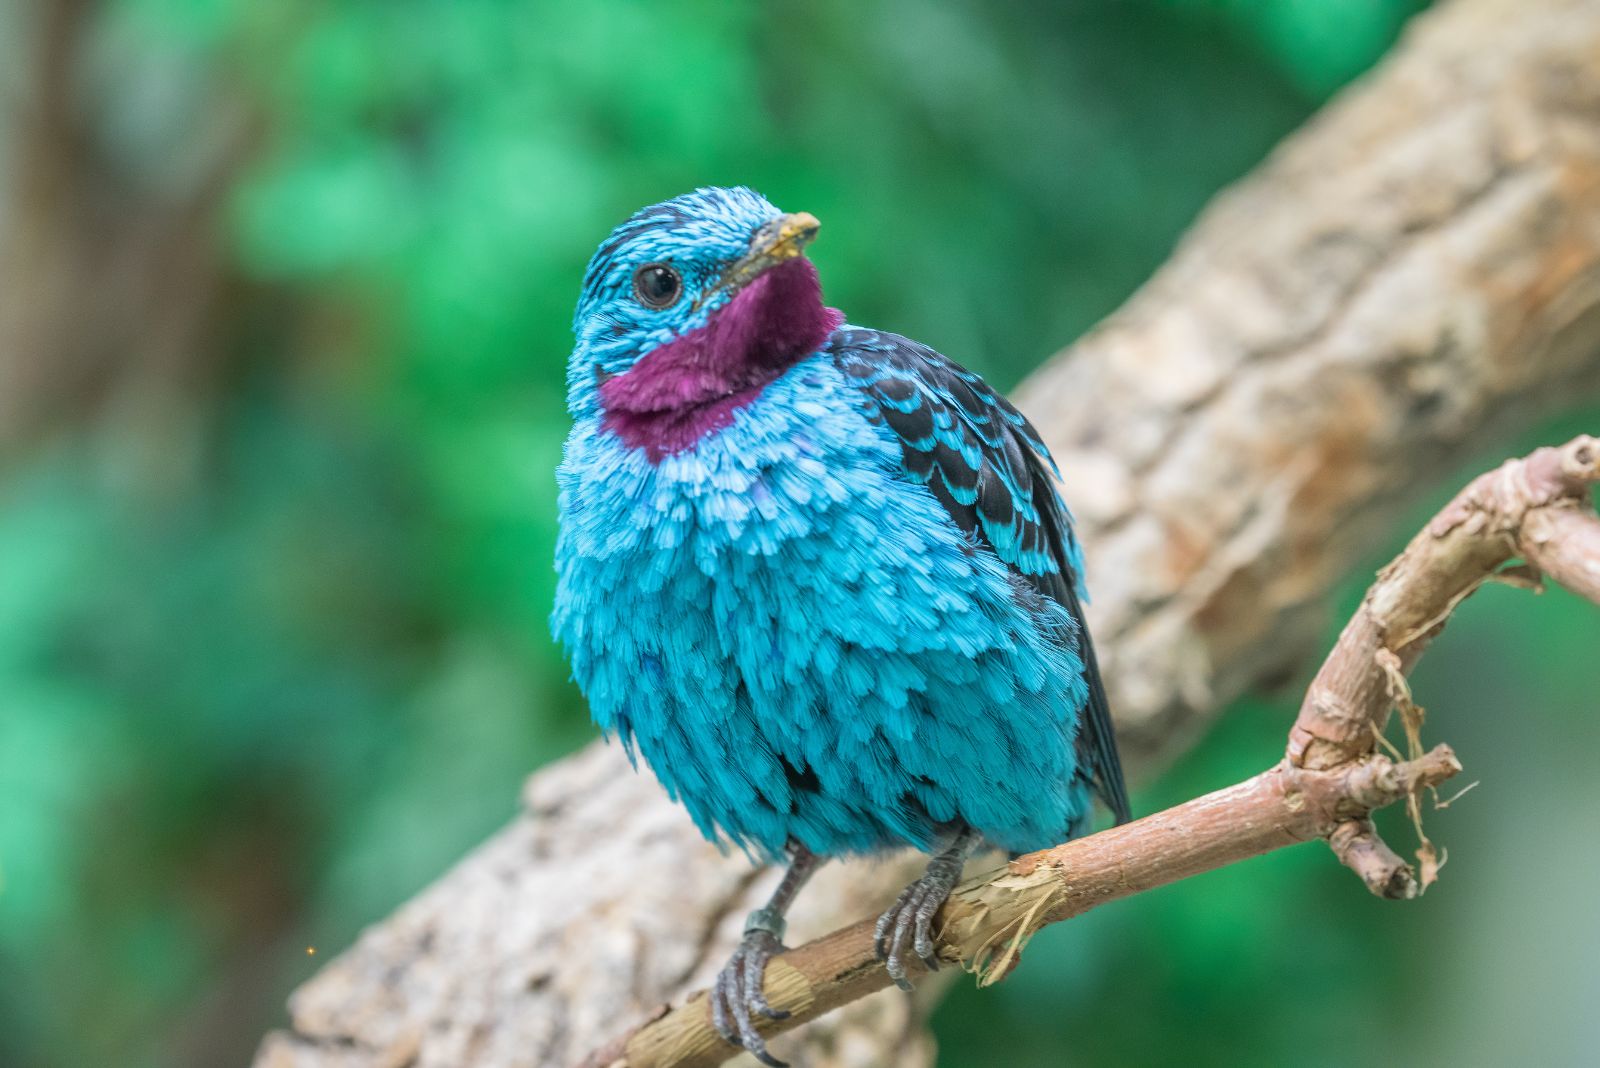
(1415, 273)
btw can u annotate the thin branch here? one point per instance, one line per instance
(1326, 787)
(1515, 510)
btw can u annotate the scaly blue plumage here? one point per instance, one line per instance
(802, 645)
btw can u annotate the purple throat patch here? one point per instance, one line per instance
(691, 386)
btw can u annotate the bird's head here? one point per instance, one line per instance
(689, 310)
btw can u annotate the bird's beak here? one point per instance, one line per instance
(780, 240)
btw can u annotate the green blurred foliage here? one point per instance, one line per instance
(273, 650)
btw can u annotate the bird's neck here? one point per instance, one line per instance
(689, 387)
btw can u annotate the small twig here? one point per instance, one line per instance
(1453, 798)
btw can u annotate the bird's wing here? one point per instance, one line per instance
(984, 462)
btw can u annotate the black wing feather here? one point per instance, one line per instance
(984, 462)
(1097, 739)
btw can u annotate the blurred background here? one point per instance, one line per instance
(285, 292)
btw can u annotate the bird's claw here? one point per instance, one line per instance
(910, 919)
(736, 996)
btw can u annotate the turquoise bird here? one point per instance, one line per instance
(817, 576)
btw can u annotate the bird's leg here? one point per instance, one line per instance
(910, 918)
(737, 992)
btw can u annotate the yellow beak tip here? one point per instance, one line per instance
(788, 234)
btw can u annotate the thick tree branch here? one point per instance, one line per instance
(1413, 274)
(1416, 270)
(1327, 787)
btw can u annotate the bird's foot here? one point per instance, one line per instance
(910, 918)
(736, 996)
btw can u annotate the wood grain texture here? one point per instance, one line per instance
(1411, 275)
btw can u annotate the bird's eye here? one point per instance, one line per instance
(657, 285)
